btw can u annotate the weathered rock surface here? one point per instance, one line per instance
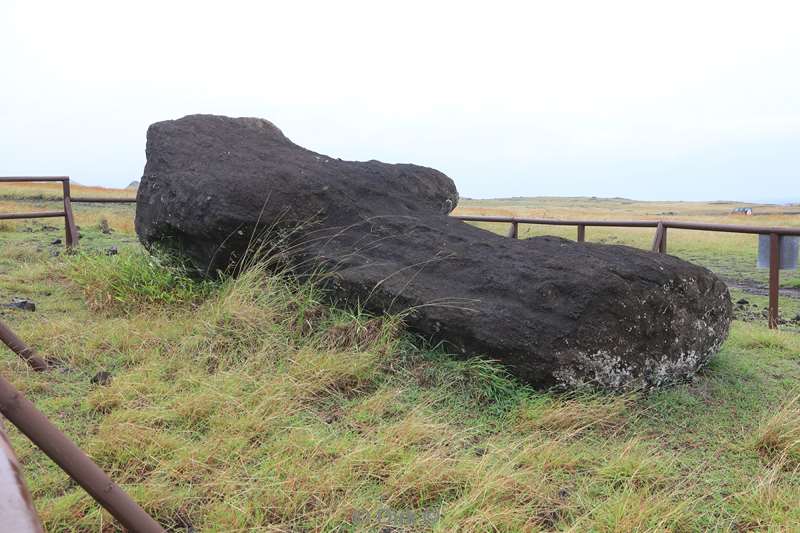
(555, 312)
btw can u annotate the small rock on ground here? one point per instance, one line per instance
(101, 378)
(22, 303)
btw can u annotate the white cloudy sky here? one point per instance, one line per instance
(643, 99)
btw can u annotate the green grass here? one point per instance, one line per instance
(134, 281)
(794, 283)
(248, 405)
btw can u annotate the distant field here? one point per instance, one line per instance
(43, 191)
(250, 405)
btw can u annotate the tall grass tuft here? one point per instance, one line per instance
(134, 280)
(778, 439)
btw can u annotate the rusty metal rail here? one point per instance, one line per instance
(65, 453)
(103, 200)
(70, 229)
(660, 239)
(25, 352)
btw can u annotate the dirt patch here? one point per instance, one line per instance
(754, 287)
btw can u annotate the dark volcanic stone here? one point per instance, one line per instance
(22, 303)
(101, 378)
(555, 312)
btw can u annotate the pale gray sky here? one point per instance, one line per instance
(649, 100)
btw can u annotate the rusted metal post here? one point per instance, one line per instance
(66, 454)
(27, 353)
(774, 278)
(581, 232)
(513, 231)
(659, 238)
(69, 220)
(16, 506)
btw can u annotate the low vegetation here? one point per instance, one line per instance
(248, 404)
(134, 281)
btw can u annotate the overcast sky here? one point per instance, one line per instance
(647, 100)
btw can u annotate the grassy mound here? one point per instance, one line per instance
(248, 404)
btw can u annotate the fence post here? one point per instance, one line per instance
(774, 279)
(69, 220)
(513, 231)
(581, 233)
(658, 240)
(662, 247)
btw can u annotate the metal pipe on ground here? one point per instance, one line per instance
(16, 344)
(66, 454)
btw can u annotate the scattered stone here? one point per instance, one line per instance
(104, 227)
(101, 378)
(55, 253)
(21, 303)
(47, 227)
(112, 250)
(55, 241)
(742, 302)
(555, 312)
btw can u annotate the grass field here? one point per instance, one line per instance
(248, 405)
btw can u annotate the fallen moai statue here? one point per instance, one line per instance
(554, 312)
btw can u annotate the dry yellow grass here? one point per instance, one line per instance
(53, 191)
